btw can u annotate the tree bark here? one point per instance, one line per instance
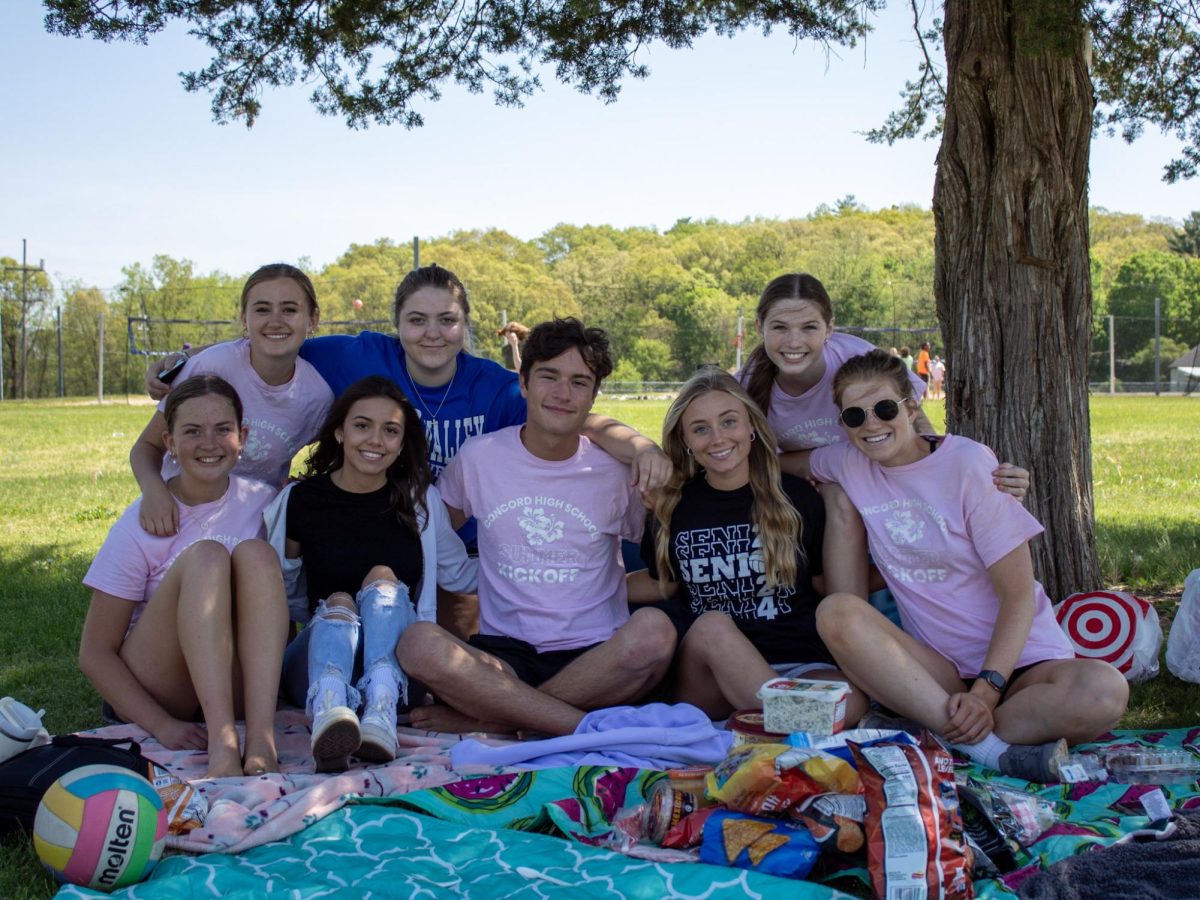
(1012, 279)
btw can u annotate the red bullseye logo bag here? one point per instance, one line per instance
(1116, 627)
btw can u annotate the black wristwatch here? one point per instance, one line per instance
(994, 679)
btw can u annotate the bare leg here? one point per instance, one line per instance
(890, 665)
(190, 641)
(719, 669)
(1073, 698)
(487, 696)
(262, 618)
(623, 668)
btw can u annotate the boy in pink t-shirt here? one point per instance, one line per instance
(556, 637)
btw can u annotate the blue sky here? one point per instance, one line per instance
(105, 160)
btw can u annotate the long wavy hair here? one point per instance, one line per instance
(408, 476)
(778, 524)
(794, 286)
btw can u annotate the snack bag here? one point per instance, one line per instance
(915, 843)
(186, 809)
(688, 831)
(835, 821)
(763, 845)
(768, 779)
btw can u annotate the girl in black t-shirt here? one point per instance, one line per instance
(368, 531)
(741, 545)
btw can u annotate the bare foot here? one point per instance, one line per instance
(224, 763)
(260, 762)
(446, 719)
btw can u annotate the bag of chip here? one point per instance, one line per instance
(915, 844)
(688, 831)
(771, 846)
(768, 779)
(835, 821)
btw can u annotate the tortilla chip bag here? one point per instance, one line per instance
(771, 846)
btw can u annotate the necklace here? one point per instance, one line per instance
(433, 416)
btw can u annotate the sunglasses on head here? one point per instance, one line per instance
(885, 411)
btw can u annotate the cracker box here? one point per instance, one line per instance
(799, 704)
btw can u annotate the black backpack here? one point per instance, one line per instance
(24, 778)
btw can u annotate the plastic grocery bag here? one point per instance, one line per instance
(1183, 642)
(1116, 627)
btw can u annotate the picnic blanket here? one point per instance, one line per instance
(509, 816)
(249, 811)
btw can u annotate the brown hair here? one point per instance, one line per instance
(871, 365)
(270, 272)
(550, 339)
(433, 276)
(794, 286)
(200, 386)
(776, 521)
(408, 476)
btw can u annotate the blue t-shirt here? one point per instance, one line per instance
(482, 397)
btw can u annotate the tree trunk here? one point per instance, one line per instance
(1012, 279)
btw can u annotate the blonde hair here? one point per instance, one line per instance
(778, 524)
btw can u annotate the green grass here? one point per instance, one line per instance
(66, 479)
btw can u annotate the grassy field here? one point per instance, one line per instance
(66, 478)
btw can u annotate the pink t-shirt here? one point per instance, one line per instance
(131, 563)
(811, 419)
(934, 527)
(283, 418)
(550, 570)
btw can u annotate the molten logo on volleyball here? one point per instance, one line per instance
(100, 826)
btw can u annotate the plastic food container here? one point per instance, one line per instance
(747, 728)
(798, 704)
(1136, 765)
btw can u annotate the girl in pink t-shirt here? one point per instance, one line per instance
(285, 399)
(789, 375)
(159, 643)
(981, 659)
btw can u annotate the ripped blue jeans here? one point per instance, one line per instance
(330, 645)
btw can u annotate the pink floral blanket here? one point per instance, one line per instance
(249, 811)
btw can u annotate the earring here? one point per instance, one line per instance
(687, 450)
(753, 435)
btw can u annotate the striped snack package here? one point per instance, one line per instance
(915, 843)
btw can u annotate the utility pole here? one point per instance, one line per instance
(24, 268)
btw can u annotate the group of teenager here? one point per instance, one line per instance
(452, 550)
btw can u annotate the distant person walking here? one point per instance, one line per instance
(923, 362)
(937, 375)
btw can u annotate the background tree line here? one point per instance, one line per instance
(670, 300)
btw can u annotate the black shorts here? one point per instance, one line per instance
(1016, 673)
(530, 666)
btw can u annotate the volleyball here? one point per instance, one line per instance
(100, 826)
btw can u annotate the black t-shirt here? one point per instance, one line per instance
(717, 564)
(343, 535)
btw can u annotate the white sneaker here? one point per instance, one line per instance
(379, 732)
(335, 735)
